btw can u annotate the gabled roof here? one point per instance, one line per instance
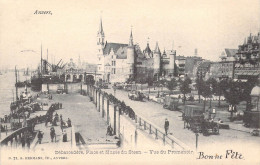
(231, 52)
(114, 46)
(121, 50)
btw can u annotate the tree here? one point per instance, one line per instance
(172, 84)
(246, 88)
(207, 90)
(150, 82)
(199, 86)
(232, 93)
(185, 88)
(218, 91)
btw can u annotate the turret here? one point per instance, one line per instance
(131, 55)
(157, 59)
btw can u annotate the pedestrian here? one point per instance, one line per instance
(52, 133)
(69, 122)
(23, 141)
(61, 125)
(166, 126)
(109, 130)
(28, 142)
(40, 136)
(46, 121)
(64, 138)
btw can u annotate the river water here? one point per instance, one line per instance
(7, 90)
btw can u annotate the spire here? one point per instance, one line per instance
(157, 49)
(131, 39)
(164, 52)
(101, 31)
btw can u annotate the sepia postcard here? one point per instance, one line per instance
(129, 82)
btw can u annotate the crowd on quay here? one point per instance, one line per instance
(22, 109)
(27, 136)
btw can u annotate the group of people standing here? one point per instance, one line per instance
(54, 121)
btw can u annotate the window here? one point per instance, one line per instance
(113, 63)
(113, 70)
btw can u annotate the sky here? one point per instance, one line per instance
(71, 30)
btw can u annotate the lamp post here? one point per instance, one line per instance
(197, 137)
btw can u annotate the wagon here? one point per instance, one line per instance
(135, 95)
(171, 103)
(194, 119)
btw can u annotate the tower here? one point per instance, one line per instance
(100, 47)
(100, 37)
(131, 56)
(157, 59)
(172, 62)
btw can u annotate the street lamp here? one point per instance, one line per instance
(197, 137)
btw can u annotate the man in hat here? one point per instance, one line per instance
(40, 136)
(166, 126)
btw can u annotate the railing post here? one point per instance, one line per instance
(156, 134)
(96, 97)
(98, 101)
(144, 125)
(103, 106)
(107, 111)
(115, 119)
(150, 129)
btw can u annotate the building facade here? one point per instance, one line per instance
(119, 62)
(248, 58)
(228, 63)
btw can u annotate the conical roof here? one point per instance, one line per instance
(131, 42)
(157, 49)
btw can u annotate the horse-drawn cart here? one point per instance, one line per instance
(194, 119)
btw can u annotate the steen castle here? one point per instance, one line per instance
(119, 62)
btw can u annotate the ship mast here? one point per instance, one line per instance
(16, 89)
(41, 60)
